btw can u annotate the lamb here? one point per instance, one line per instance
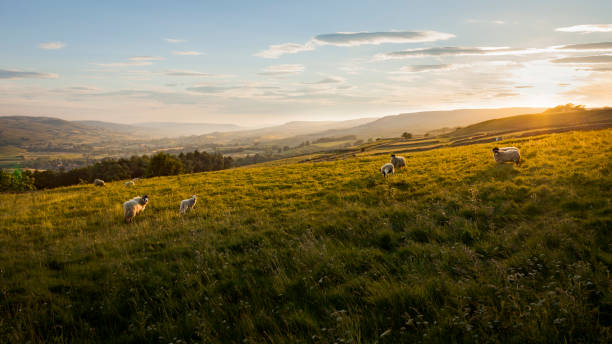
(398, 161)
(98, 182)
(387, 169)
(188, 204)
(506, 154)
(129, 183)
(135, 206)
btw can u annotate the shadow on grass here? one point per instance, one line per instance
(497, 172)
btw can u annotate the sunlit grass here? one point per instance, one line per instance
(454, 248)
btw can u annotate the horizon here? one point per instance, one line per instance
(256, 65)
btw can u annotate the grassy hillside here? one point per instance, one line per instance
(538, 121)
(454, 248)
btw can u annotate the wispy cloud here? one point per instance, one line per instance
(16, 74)
(587, 28)
(277, 50)
(585, 59)
(124, 64)
(52, 45)
(477, 21)
(454, 51)
(186, 73)
(328, 80)
(174, 40)
(425, 68)
(284, 69)
(146, 58)
(188, 53)
(587, 46)
(350, 39)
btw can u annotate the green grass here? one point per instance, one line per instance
(454, 248)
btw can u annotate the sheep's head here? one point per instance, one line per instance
(393, 155)
(495, 150)
(145, 199)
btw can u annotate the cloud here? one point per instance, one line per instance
(146, 58)
(425, 68)
(328, 80)
(212, 89)
(454, 51)
(284, 69)
(186, 73)
(124, 64)
(585, 59)
(474, 21)
(587, 46)
(277, 50)
(187, 53)
(350, 39)
(523, 86)
(505, 95)
(174, 40)
(586, 28)
(15, 74)
(52, 45)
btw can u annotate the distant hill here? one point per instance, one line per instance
(536, 121)
(172, 129)
(284, 131)
(26, 131)
(422, 122)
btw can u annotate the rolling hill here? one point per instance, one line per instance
(453, 248)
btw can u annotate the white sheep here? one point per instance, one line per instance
(398, 161)
(505, 154)
(129, 183)
(98, 182)
(188, 204)
(387, 169)
(135, 206)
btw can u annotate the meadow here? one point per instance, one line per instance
(454, 248)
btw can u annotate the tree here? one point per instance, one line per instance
(163, 164)
(407, 135)
(569, 107)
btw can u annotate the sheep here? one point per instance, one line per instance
(135, 206)
(387, 169)
(98, 182)
(502, 155)
(129, 183)
(188, 204)
(398, 161)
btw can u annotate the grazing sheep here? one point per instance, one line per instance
(498, 138)
(98, 182)
(398, 161)
(135, 206)
(188, 204)
(505, 154)
(387, 169)
(129, 183)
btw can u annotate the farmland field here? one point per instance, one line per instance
(453, 248)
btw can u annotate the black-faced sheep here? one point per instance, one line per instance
(398, 161)
(98, 182)
(135, 206)
(188, 204)
(505, 154)
(387, 169)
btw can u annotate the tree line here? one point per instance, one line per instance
(160, 164)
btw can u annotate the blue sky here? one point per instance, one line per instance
(254, 63)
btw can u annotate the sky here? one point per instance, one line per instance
(255, 63)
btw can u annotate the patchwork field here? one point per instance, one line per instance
(454, 248)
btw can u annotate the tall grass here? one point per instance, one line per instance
(454, 248)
